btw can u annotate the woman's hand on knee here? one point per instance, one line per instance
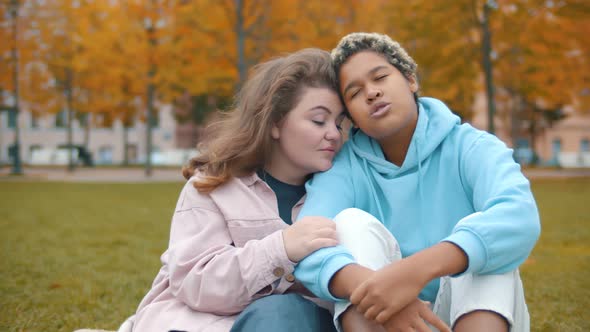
(308, 235)
(414, 317)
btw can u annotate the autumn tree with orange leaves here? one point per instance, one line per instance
(120, 59)
(541, 63)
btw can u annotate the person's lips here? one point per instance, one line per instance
(379, 109)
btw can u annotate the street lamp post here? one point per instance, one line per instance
(16, 165)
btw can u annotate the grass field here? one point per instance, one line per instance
(83, 255)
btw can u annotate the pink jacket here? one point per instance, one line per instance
(226, 250)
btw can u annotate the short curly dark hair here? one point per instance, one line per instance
(382, 44)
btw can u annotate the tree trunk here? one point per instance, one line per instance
(87, 130)
(486, 47)
(514, 123)
(150, 116)
(68, 92)
(16, 166)
(151, 90)
(533, 136)
(125, 145)
(240, 40)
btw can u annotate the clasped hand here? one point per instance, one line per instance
(390, 298)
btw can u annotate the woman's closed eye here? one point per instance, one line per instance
(339, 122)
(322, 123)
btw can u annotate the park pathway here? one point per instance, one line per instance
(137, 175)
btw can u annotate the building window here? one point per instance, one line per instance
(156, 155)
(585, 145)
(83, 119)
(556, 147)
(34, 120)
(11, 149)
(523, 154)
(33, 149)
(105, 155)
(61, 119)
(132, 153)
(155, 118)
(11, 119)
(522, 143)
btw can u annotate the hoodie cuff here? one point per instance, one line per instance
(317, 269)
(473, 247)
(335, 264)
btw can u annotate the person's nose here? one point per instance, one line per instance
(373, 93)
(333, 133)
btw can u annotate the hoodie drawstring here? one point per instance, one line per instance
(420, 190)
(419, 171)
(373, 193)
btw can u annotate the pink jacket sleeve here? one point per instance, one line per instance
(206, 271)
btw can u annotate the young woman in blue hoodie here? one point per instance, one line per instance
(443, 215)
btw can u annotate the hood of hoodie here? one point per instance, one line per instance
(435, 122)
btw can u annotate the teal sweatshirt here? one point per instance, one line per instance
(451, 170)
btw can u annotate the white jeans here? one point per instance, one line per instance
(373, 246)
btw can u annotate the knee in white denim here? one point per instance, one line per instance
(366, 238)
(354, 220)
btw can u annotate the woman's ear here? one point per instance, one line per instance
(275, 131)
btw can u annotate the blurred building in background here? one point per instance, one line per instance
(43, 141)
(564, 142)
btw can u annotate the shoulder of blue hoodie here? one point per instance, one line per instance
(505, 227)
(496, 239)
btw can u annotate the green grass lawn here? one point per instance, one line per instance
(83, 255)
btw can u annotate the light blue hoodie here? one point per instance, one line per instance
(451, 170)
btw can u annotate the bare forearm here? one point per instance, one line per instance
(344, 282)
(395, 286)
(442, 259)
